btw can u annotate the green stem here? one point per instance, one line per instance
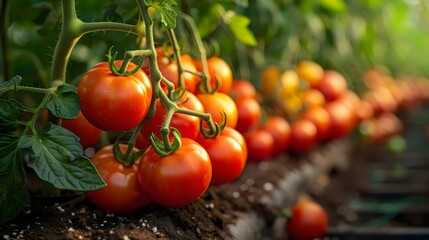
(25, 88)
(130, 55)
(207, 117)
(177, 54)
(31, 123)
(165, 130)
(203, 54)
(72, 30)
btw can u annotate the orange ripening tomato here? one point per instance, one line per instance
(114, 103)
(310, 71)
(87, 133)
(269, 80)
(218, 69)
(169, 68)
(242, 88)
(341, 118)
(218, 103)
(123, 191)
(312, 97)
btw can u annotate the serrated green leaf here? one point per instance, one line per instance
(57, 158)
(65, 103)
(9, 113)
(13, 191)
(333, 5)
(166, 10)
(239, 27)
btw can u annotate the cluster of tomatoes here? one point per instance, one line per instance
(383, 99)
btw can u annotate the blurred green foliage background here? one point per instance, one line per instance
(347, 35)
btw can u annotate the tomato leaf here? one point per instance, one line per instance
(56, 156)
(9, 113)
(13, 191)
(65, 102)
(238, 25)
(166, 10)
(333, 5)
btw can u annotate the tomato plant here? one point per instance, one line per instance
(227, 156)
(87, 133)
(123, 192)
(308, 221)
(218, 103)
(260, 145)
(106, 98)
(178, 179)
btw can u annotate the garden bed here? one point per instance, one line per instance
(248, 208)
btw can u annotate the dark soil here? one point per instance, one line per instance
(74, 217)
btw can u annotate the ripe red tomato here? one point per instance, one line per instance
(217, 103)
(303, 135)
(123, 191)
(249, 114)
(341, 118)
(309, 221)
(332, 85)
(87, 133)
(260, 145)
(279, 128)
(227, 156)
(188, 126)
(232, 133)
(191, 102)
(242, 88)
(168, 68)
(320, 117)
(220, 69)
(178, 179)
(114, 103)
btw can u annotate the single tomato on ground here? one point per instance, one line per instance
(308, 221)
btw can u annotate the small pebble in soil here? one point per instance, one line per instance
(236, 194)
(244, 187)
(263, 166)
(125, 237)
(61, 209)
(268, 186)
(250, 182)
(70, 229)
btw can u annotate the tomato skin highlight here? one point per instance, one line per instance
(123, 191)
(308, 221)
(178, 179)
(217, 103)
(227, 156)
(114, 103)
(88, 134)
